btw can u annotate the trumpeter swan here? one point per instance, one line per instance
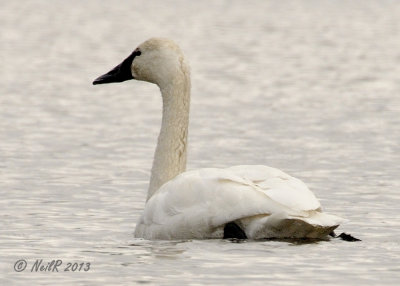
(241, 201)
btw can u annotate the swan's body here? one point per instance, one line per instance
(263, 202)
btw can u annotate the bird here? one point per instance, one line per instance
(239, 202)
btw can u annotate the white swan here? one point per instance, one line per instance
(242, 201)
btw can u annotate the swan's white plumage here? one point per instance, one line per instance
(264, 202)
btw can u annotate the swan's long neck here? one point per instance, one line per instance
(170, 155)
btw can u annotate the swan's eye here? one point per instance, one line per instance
(138, 53)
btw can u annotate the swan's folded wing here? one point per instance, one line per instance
(279, 186)
(215, 194)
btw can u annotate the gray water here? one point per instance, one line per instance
(310, 87)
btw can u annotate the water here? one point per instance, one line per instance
(310, 87)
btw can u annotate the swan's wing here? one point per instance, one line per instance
(196, 204)
(279, 186)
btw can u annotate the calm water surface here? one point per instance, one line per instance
(310, 87)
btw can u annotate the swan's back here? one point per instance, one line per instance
(265, 202)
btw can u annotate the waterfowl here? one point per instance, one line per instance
(246, 201)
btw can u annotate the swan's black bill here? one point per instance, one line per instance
(120, 73)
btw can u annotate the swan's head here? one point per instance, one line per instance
(157, 60)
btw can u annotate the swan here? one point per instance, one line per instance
(246, 201)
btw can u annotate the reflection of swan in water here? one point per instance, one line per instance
(239, 202)
(172, 249)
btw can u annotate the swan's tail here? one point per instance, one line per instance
(316, 226)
